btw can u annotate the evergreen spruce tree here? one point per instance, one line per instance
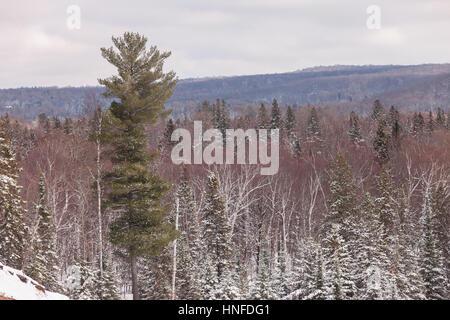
(440, 119)
(409, 126)
(155, 277)
(67, 126)
(87, 289)
(338, 280)
(228, 288)
(217, 233)
(381, 145)
(188, 268)
(385, 202)
(314, 132)
(262, 119)
(440, 206)
(209, 280)
(223, 119)
(188, 271)
(215, 113)
(205, 106)
(394, 115)
(430, 123)
(290, 122)
(370, 257)
(342, 202)
(432, 268)
(280, 283)
(396, 134)
(47, 125)
(42, 118)
(297, 147)
(319, 290)
(388, 236)
(412, 286)
(377, 111)
(309, 271)
(170, 128)
(448, 121)
(276, 121)
(13, 230)
(140, 91)
(354, 131)
(81, 282)
(241, 278)
(338, 232)
(56, 123)
(43, 263)
(394, 123)
(107, 287)
(418, 124)
(105, 282)
(262, 288)
(302, 269)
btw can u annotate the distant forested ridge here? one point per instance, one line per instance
(418, 87)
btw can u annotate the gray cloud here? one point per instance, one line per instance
(211, 38)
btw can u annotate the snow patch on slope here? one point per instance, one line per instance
(16, 285)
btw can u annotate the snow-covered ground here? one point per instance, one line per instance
(15, 285)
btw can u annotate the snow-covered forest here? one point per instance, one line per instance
(93, 207)
(358, 210)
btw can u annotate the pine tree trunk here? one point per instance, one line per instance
(134, 284)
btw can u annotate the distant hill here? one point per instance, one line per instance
(418, 87)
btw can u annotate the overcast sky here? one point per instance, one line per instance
(216, 37)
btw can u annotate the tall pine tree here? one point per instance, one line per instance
(140, 90)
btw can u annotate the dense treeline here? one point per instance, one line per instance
(359, 208)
